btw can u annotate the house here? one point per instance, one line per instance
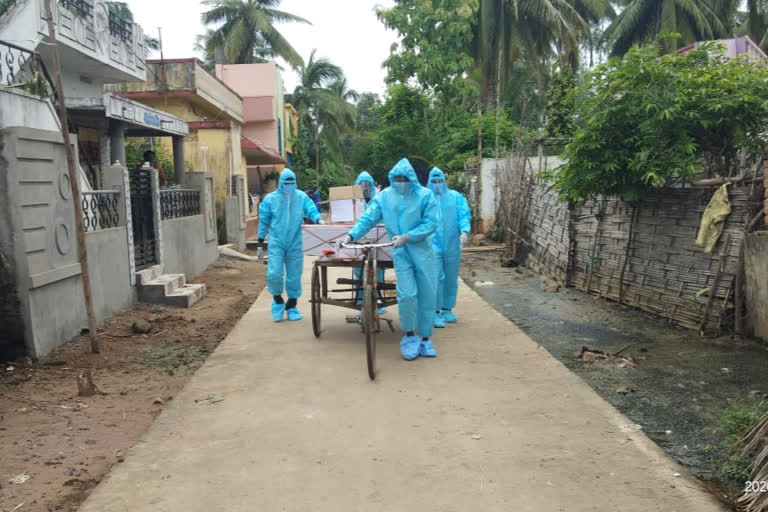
(143, 242)
(215, 115)
(262, 90)
(734, 48)
(96, 48)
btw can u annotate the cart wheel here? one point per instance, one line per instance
(369, 327)
(316, 301)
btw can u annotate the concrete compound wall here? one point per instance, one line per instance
(190, 244)
(183, 252)
(34, 182)
(19, 108)
(756, 283)
(109, 271)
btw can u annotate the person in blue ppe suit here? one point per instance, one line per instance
(365, 180)
(411, 215)
(452, 236)
(281, 214)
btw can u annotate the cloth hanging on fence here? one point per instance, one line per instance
(713, 220)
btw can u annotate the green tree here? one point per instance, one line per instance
(559, 109)
(435, 42)
(646, 121)
(323, 109)
(404, 130)
(246, 31)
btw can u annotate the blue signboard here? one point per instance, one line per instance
(152, 119)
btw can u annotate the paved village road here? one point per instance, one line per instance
(493, 424)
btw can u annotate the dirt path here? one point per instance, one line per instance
(67, 444)
(277, 420)
(682, 383)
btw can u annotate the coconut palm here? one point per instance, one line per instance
(211, 42)
(511, 29)
(321, 99)
(341, 89)
(754, 22)
(246, 33)
(641, 21)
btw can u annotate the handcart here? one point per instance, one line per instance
(368, 287)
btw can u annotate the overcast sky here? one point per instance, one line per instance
(346, 31)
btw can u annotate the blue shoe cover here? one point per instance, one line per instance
(294, 315)
(439, 321)
(277, 311)
(409, 347)
(427, 349)
(448, 316)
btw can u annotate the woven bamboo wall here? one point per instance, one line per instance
(546, 230)
(665, 269)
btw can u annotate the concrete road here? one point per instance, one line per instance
(493, 424)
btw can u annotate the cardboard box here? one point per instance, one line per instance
(346, 203)
(317, 238)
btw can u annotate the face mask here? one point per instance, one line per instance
(402, 187)
(288, 188)
(438, 188)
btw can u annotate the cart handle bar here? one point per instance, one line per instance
(367, 246)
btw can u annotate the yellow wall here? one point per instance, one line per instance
(221, 144)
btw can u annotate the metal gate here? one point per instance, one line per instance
(143, 218)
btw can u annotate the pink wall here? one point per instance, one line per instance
(265, 132)
(249, 79)
(259, 109)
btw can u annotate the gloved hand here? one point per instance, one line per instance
(345, 241)
(400, 240)
(463, 239)
(260, 254)
(321, 222)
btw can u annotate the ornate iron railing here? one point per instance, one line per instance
(101, 209)
(120, 28)
(25, 70)
(179, 202)
(81, 8)
(5, 5)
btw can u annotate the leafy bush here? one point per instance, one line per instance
(134, 155)
(645, 121)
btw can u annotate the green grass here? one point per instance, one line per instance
(735, 422)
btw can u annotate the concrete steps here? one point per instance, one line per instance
(155, 287)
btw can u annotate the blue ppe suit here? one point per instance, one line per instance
(456, 219)
(415, 212)
(364, 177)
(281, 214)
